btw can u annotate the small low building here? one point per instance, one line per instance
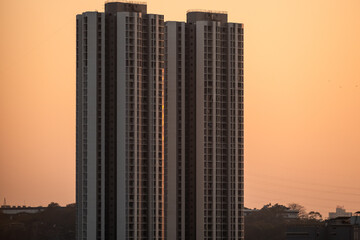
(287, 214)
(340, 228)
(20, 209)
(305, 233)
(339, 212)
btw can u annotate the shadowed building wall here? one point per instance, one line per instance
(159, 147)
(210, 128)
(120, 123)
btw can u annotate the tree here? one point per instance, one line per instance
(315, 216)
(268, 223)
(299, 208)
(271, 222)
(71, 205)
(54, 223)
(53, 205)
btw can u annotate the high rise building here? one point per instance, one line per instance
(159, 125)
(120, 123)
(204, 127)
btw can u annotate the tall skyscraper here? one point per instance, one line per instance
(159, 125)
(204, 127)
(120, 123)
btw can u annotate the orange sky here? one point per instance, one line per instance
(302, 93)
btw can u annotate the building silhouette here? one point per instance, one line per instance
(340, 212)
(159, 125)
(204, 130)
(339, 228)
(120, 143)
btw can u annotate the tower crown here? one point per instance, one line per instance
(125, 6)
(205, 15)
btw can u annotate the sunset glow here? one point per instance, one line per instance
(302, 99)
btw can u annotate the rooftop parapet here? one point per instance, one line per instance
(125, 6)
(204, 15)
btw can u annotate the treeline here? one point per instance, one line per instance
(270, 222)
(58, 223)
(55, 223)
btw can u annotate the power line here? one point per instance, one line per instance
(300, 182)
(287, 193)
(303, 188)
(321, 206)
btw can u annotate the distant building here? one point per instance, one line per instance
(6, 209)
(5, 205)
(305, 233)
(341, 228)
(355, 219)
(291, 214)
(288, 213)
(159, 125)
(248, 211)
(340, 212)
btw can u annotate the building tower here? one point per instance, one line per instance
(159, 146)
(204, 127)
(120, 123)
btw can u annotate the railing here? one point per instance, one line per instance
(126, 1)
(206, 11)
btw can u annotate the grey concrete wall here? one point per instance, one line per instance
(121, 126)
(200, 129)
(91, 125)
(172, 130)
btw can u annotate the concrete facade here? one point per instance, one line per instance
(341, 228)
(120, 123)
(213, 116)
(160, 135)
(340, 212)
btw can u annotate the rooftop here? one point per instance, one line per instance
(125, 6)
(125, 1)
(204, 15)
(205, 11)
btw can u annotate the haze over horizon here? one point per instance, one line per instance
(302, 99)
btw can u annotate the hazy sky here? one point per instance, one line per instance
(302, 98)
